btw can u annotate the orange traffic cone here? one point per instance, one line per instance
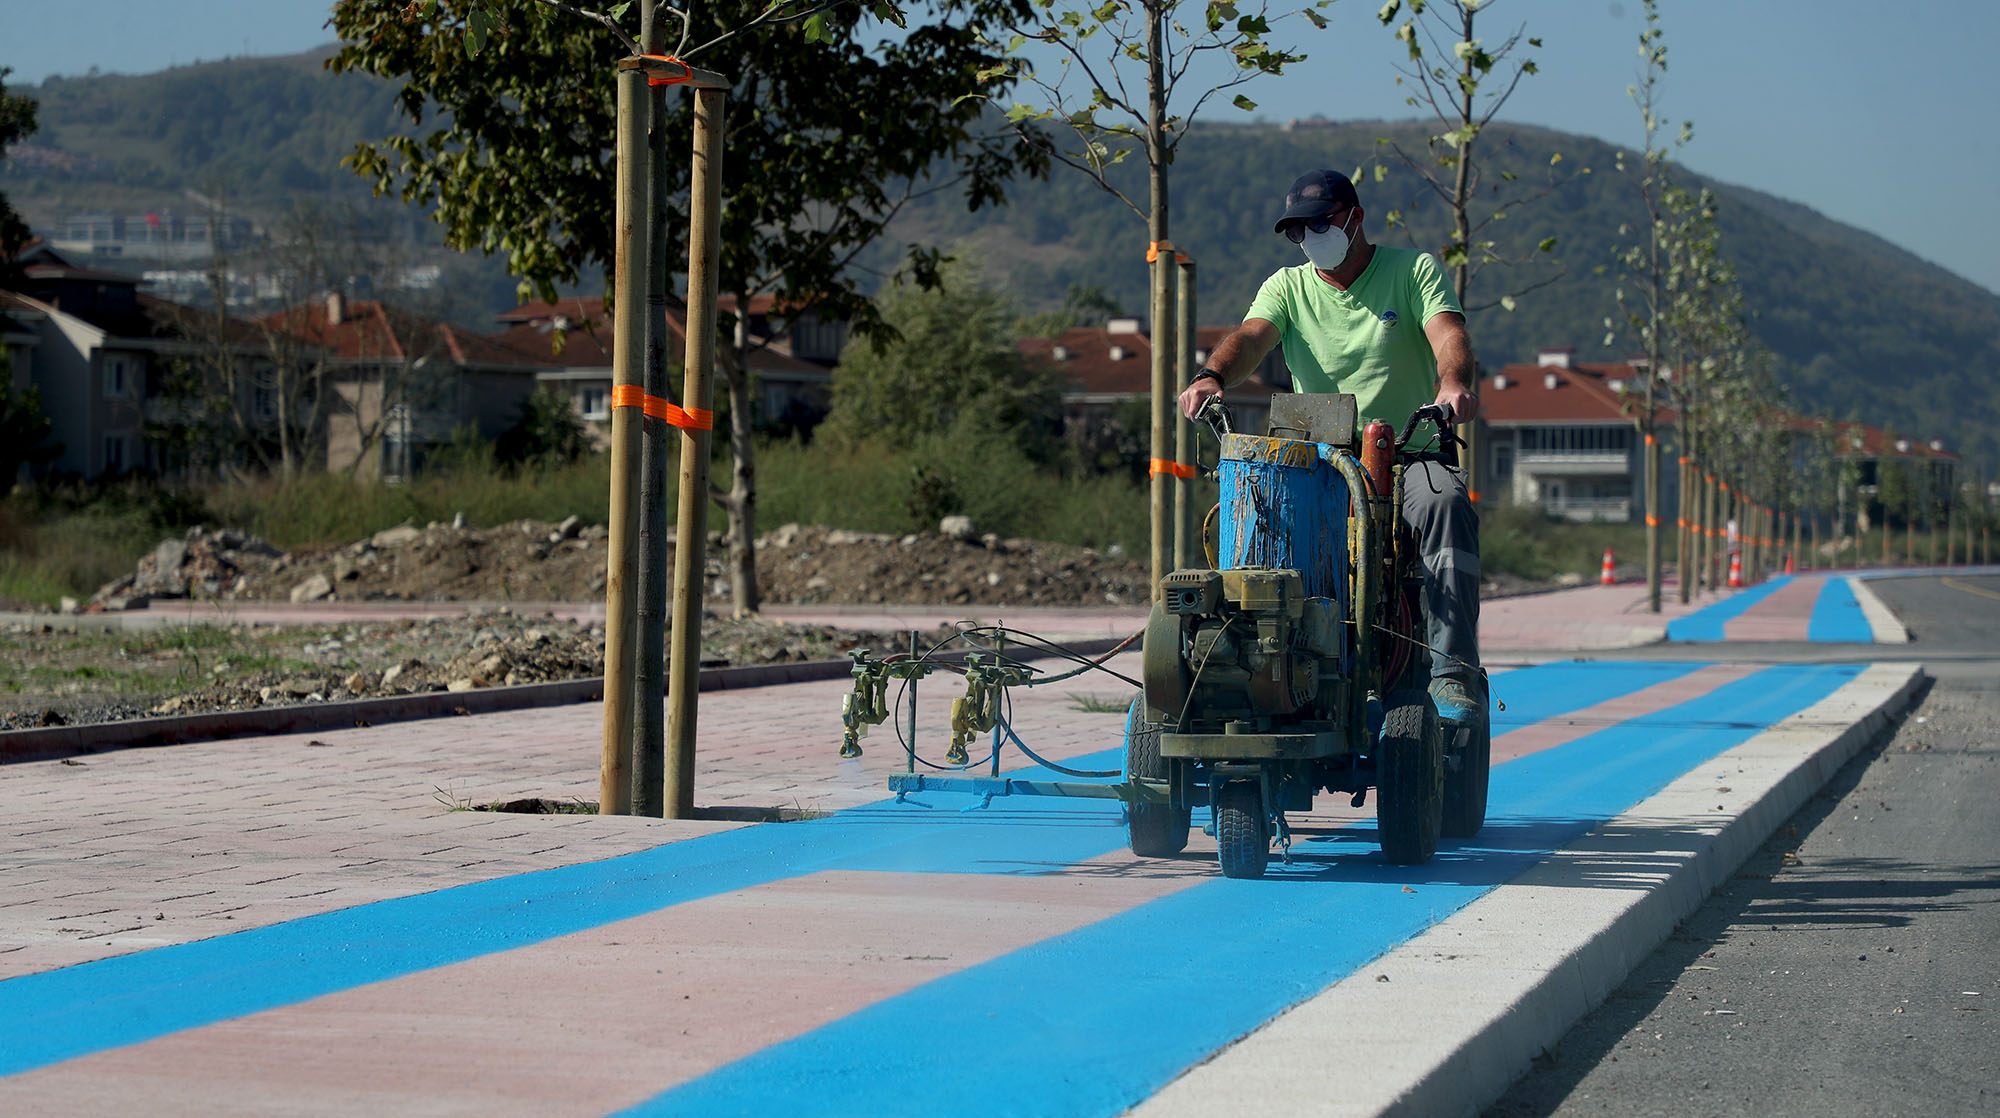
(1606, 578)
(1735, 570)
(1788, 562)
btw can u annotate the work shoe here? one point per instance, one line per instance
(1457, 703)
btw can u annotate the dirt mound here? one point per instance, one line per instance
(61, 679)
(532, 561)
(819, 565)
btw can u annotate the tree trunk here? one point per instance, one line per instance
(1161, 268)
(742, 502)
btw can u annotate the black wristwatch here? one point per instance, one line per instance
(1219, 383)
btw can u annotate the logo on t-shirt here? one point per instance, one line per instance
(1388, 320)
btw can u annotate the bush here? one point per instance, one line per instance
(1523, 540)
(547, 436)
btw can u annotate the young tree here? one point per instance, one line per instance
(1464, 95)
(1647, 262)
(24, 428)
(1704, 342)
(17, 122)
(953, 359)
(1120, 87)
(828, 138)
(258, 393)
(1451, 91)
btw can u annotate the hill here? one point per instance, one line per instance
(1865, 330)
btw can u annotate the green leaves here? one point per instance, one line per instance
(1461, 136)
(1244, 103)
(478, 25)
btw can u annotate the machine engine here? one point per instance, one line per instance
(1244, 651)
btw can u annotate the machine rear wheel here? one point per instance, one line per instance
(1155, 830)
(1242, 835)
(1409, 777)
(1465, 785)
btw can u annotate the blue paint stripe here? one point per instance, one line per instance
(1216, 960)
(1837, 615)
(1706, 624)
(59, 1015)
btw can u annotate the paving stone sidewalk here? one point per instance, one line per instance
(130, 849)
(137, 848)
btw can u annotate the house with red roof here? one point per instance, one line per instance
(1561, 434)
(1111, 366)
(399, 385)
(791, 359)
(99, 350)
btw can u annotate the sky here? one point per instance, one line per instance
(1873, 113)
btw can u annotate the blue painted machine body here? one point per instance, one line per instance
(1285, 506)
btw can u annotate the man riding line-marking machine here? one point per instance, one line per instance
(1332, 643)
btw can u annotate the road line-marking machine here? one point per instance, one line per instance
(1290, 666)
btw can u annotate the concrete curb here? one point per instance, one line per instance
(1446, 1022)
(1881, 619)
(51, 742)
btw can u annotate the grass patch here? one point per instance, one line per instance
(1092, 704)
(69, 541)
(1522, 540)
(897, 490)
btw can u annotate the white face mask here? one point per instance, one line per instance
(1326, 250)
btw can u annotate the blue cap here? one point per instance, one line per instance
(1316, 194)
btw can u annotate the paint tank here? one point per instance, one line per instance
(1285, 506)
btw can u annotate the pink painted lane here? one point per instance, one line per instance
(1783, 615)
(1551, 732)
(597, 1021)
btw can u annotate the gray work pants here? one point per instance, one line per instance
(1437, 509)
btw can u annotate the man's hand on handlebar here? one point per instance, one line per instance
(1195, 396)
(1461, 404)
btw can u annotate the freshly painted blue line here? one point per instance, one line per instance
(1095, 1021)
(1706, 624)
(1837, 615)
(59, 1015)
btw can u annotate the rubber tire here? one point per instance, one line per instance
(1154, 830)
(1242, 833)
(1409, 778)
(1465, 787)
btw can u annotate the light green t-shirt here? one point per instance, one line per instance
(1368, 340)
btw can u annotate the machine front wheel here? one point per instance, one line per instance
(1409, 777)
(1242, 832)
(1465, 784)
(1155, 830)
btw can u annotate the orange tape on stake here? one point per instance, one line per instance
(1169, 466)
(1652, 522)
(1649, 440)
(659, 407)
(690, 419)
(687, 71)
(1152, 251)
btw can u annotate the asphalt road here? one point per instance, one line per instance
(1852, 967)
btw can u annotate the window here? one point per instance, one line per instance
(117, 380)
(114, 454)
(590, 401)
(1503, 461)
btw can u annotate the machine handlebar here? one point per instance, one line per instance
(1215, 413)
(1448, 440)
